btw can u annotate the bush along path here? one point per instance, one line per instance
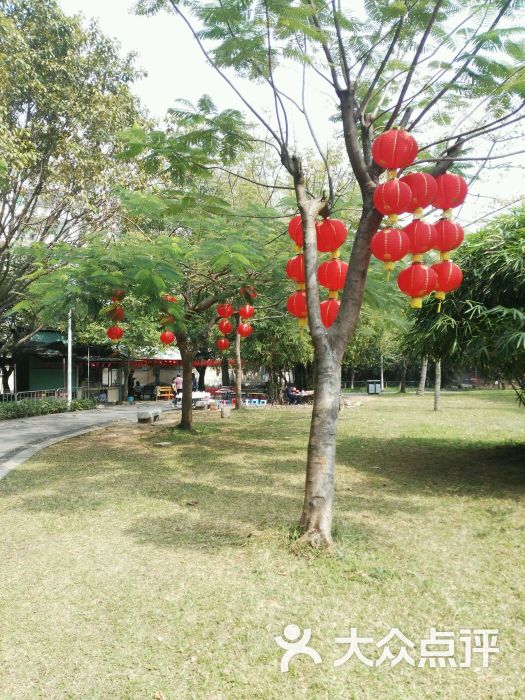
(42, 407)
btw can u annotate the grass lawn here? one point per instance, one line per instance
(134, 571)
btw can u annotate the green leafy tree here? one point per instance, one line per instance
(483, 323)
(451, 67)
(64, 97)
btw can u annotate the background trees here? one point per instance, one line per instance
(64, 96)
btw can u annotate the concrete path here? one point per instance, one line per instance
(21, 438)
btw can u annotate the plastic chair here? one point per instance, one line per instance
(263, 402)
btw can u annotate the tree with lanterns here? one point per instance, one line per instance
(398, 70)
(446, 72)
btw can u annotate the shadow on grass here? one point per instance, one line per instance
(439, 465)
(222, 490)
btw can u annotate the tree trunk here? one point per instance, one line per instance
(238, 373)
(437, 385)
(382, 373)
(202, 373)
(403, 379)
(352, 378)
(423, 376)
(187, 411)
(316, 518)
(225, 371)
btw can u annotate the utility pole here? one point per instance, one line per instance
(69, 360)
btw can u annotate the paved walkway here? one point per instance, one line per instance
(21, 438)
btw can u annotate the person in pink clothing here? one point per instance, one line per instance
(176, 385)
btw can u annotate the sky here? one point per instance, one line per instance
(175, 69)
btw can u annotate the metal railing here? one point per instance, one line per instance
(81, 392)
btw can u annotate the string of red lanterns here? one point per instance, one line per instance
(330, 236)
(397, 149)
(226, 311)
(116, 313)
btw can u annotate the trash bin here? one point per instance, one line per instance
(373, 386)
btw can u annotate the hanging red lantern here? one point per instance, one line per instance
(225, 326)
(449, 277)
(118, 294)
(451, 191)
(169, 298)
(332, 274)
(246, 311)
(225, 310)
(295, 269)
(394, 148)
(223, 344)
(392, 197)
(296, 304)
(389, 245)
(331, 234)
(449, 236)
(423, 187)
(167, 337)
(329, 310)
(116, 313)
(114, 332)
(417, 281)
(244, 329)
(420, 235)
(295, 230)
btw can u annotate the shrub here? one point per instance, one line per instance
(41, 407)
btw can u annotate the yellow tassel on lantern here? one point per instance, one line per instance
(301, 287)
(298, 248)
(416, 302)
(444, 256)
(335, 254)
(440, 296)
(333, 294)
(302, 322)
(418, 213)
(391, 219)
(447, 214)
(417, 258)
(391, 173)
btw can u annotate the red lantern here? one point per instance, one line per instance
(114, 332)
(223, 344)
(116, 313)
(295, 230)
(449, 277)
(246, 311)
(296, 304)
(225, 326)
(169, 298)
(225, 310)
(451, 191)
(417, 281)
(332, 274)
(331, 234)
(394, 149)
(421, 236)
(168, 318)
(423, 187)
(295, 269)
(167, 337)
(390, 245)
(392, 197)
(329, 310)
(449, 236)
(244, 329)
(118, 294)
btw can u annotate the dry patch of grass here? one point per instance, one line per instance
(129, 569)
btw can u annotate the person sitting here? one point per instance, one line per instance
(291, 394)
(138, 391)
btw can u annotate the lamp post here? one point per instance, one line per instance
(69, 360)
